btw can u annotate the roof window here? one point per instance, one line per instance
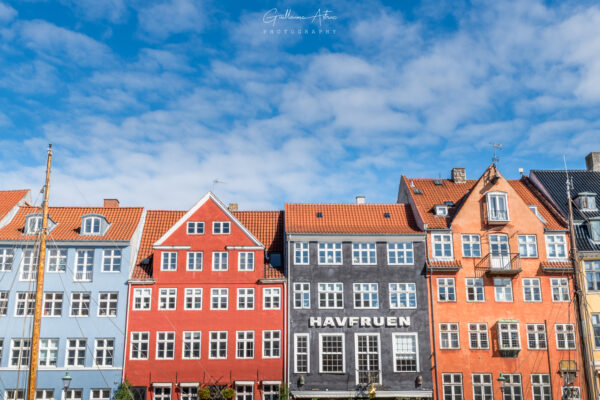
(93, 225)
(319, 214)
(441, 210)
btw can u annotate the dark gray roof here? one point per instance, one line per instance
(584, 241)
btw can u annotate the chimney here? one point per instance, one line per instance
(459, 175)
(360, 199)
(592, 161)
(111, 203)
(233, 207)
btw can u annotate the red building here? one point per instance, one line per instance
(206, 304)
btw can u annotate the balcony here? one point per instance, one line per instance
(500, 264)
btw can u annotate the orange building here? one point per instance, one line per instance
(504, 323)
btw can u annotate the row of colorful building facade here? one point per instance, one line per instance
(461, 289)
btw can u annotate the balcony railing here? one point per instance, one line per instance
(500, 264)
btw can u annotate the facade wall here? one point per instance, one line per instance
(592, 310)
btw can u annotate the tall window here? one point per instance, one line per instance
(29, 265)
(592, 275)
(475, 289)
(446, 289)
(301, 253)
(330, 253)
(195, 227)
(191, 345)
(301, 353)
(441, 245)
(111, 261)
(6, 259)
(244, 344)
(25, 305)
(53, 304)
(19, 352)
(368, 358)
(364, 253)
(91, 226)
(532, 292)
(193, 299)
(497, 206)
(478, 336)
(194, 260)
(167, 299)
(400, 253)
(556, 246)
(302, 295)
(84, 265)
(366, 295)
(169, 261)
(471, 245)
(331, 353)
(107, 304)
(48, 352)
(220, 261)
(449, 336)
(165, 345)
(104, 352)
(80, 304)
(482, 387)
(246, 261)
(218, 344)
(271, 344)
(508, 336)
(3, 302)
(271, 298)
(540, 387)
(536, 336)
(503, 289)
(596, 329)
(76, 352)
(512, 387)
(57, 260)
(245, 299)
(528, 246)
(565, 336)
(33, 225)
(331, 295)
(221, 227)
(140, 342)
(219, 299)
(452, 386)
(406, 356)
(403, 295)
(560, 289)
(142, 298)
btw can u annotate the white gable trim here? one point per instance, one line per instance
(199, 204)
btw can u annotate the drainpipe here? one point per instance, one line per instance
(433, 334)
(548, 355)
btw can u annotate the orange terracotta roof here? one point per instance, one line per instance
(9, 199)
(266, 226)
(123, 222)
(444, 264)
(533, 197)
(157, 224)
(349, 218)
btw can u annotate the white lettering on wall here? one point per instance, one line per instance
(363, 322)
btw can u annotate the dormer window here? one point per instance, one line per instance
(535, 210)
(594, 228)
(587, 201)
(441, 210)
(33, 224)
(94, 224)
(497, 207)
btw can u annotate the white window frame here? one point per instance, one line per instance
(22, 347)
(557, 286)
(79, 349)
(48, 352)
(33, 224)
(25, 301)
(271, 298)
(356, 354)
(165, 295)
(218, 342)
(482, 384)
(542, 384)
(305, 336)
(533, 289)
(268, 343)
(84, 272)
(552, 243)
(29, 264)
(330, 249)
(302, 295)
(143, 296)
(108, 304)
(162, 393)
(81, 302)
(405, 292)
(246, 261)
(245, 293)
(493, 214)
(565, 330)
(475, 284)
(400, 253)
(449, 329)
(446, 290)
(53, 302)
(343, 336)
(57, 261)
(3, 303)
(102, 346)
(140, 339)
(366, 292)
(509, 328)
(168, 261)
(533, 330)
(505, 290)
(91, 225)
(191, 341)
(99, 394)
(301, 253)
(396, 351)
(192, 227)
(479, 329)
(526, 241)
(244, 342)
(168, 339)
(111, 261)
(194, 261)
(472, 242)
(335, 292)
(193, 293)
(217, 261)
(453, 383)
(219, 227)
(364, 253)
(219, 295)
(7, 258)
(442, 240)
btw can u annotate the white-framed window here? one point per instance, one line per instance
(219, 298)
(556, 246)
(84, 265)
(220, 261)
(29, 265)
(331, 295)
(536, 336)
(142, 298)
(594, 228)
(48, 352)
(218, 345)
(441, 210)
(446, 289)
(595, 330)
(140, 342)
(25, 304)
(91, 225)
(162, 393)
(475, 289)
(33, 224)
(406, 355)
(100, 394)
(482, 387)
(57, 260)
(245, 298)
(497, 206)
(104, 352)
(194, 260)
(571, 393)
(195, 227)
(20, 352)
(52, 304)
(75, 354)
(509, 337)
(302, 295)
(271, 298)
(368, 358)
(540, 387)
(165, 345)
(366, 295)
(191, 345)
(560, 289)
(301, 353)
(528, 246)
(400, 253)
(403, 295)
(331, 353)
(244, 344)
(271, 344)
(441, 245)
(168, 261)
(3, 303)
(80, 304)
(111, 260)
(48, 394)
(471, 245)
(503, 289)
(364, 254)
(449, 336)
(270, 392)
(478, 336)
(512, 387)
(330, 253)
(246, 261)
(587, 201)
(221, 228)
(452, 386)
(7, 257)
(532, 291)
(193, 299)
(73, 394)
(565, 336)
(167, 299)
(244, 392)
(534, 209)
(592, 275)
(301, 253)
(107, 304)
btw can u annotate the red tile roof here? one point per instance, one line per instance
(532, 196)
(123, 222)
(9, 199)
(349, 218)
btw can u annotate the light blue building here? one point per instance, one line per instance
(90, 253)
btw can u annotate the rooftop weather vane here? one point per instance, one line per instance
(496, 146)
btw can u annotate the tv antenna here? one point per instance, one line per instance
(215, 182)
(496, 146)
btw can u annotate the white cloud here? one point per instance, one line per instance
(7, 13)
(111, 10)
(161, 20)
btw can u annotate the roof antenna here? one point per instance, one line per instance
(569, 180)
(215, 182)
(496, 146)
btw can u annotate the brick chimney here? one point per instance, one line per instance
(592, 161)
(360, 199)
(233, 206)
(459, 175)
(111, 203)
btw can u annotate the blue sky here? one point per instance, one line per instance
(150, 101)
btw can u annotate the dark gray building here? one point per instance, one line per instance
(358, 308)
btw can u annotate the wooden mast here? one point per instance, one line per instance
(37, 319)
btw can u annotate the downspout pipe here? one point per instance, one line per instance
(432, 313)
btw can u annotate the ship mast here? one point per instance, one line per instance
(37, 319)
